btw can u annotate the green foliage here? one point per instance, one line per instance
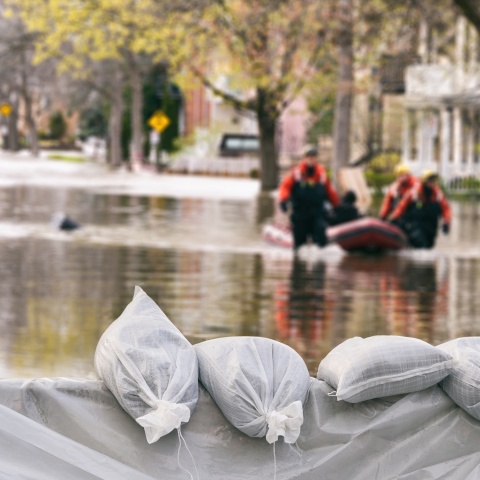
(322, 106)
(463, 187)
(57, 126)
(159, 93)
(66, 158)
(384, 163)
(468, 183)
(380, 170)
(378, 180)
(92, 123)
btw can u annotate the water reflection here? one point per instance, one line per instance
(203, 262)
(303, 310)
(322, 304)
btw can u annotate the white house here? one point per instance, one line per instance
(442, 112)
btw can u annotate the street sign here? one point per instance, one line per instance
(159, 121)
(5, 109)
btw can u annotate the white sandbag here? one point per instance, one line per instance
(462, 385)
(149, 366)
(260, 385)
(383, 365)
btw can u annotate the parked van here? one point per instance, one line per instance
(239, 145)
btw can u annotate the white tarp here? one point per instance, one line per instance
(75, 429)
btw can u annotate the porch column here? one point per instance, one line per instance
(420, 160)
(406, 137)
(468, 167)
(445, 143)
(457, 142)
(430, 131)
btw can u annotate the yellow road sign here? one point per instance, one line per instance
(5, 109)
(159, 121)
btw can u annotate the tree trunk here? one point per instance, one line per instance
(11, 138)
(136, 148)
(343, 101)
(267, 124)
(12, 129)
(28, 103)
(31, 125)
(115, 122)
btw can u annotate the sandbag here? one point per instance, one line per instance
(149, 366)
(362, 369)
(259, 384)
(462, 385)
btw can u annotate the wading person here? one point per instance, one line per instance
(307, 188)
(404, 181)
(346, 211)
(424, 205)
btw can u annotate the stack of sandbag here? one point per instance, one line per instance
(149, 366)
(260, 385)
(462, 385)
(383, 365)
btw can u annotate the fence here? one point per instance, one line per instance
(464, 185)
(235, 166)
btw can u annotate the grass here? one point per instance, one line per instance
(66, 158)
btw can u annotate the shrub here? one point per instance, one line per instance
(380, 170)
(58, 126)
(384, 162)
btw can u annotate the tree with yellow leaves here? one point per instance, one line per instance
(271, 49)
(95, 39)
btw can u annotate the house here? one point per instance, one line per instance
(441, 121)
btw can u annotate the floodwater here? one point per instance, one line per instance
(203, 262)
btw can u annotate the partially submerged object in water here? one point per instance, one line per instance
(61, 221)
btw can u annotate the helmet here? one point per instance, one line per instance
(428, 174)
(401, 169)
(310, 151)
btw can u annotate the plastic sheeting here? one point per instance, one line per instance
(75, 429)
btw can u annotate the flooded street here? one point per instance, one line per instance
(193, 244)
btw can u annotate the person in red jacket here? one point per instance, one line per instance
(396, 191)
(421, 208)
(309, 190)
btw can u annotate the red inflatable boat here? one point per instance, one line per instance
(365, 234)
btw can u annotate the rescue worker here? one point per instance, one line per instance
(309, 191)
(404, 181)
(346, 211)
(424, 204)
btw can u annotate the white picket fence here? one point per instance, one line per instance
(467, 184)
(238, 166)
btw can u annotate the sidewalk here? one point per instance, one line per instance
(20, 168)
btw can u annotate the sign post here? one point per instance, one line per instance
(159, 122)
(5, 111)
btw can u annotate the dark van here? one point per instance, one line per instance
(239, 144)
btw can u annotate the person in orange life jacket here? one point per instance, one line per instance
(423, 206)
(346, 211)
(308, 189)
(396, 191)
